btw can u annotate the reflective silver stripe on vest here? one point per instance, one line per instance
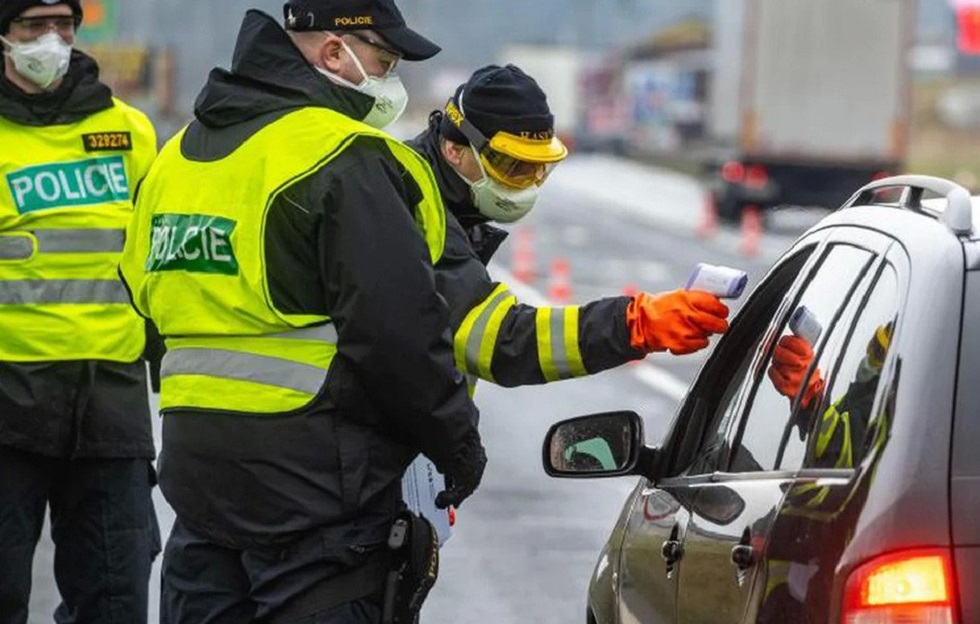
(80, 241)
(19, 245)
(559, 352)
(19, 292)
(264, 369)
(321, 333)
(475, 339)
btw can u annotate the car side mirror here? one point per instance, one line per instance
(609, 444)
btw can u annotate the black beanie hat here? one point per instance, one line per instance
(11, 9)
(500, 99)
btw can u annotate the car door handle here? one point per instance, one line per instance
(672, 551)
(743, 556)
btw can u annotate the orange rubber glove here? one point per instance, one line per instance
(680, 321)
(790, 360)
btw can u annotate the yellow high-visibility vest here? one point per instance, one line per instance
(195, 262)
(65, 201)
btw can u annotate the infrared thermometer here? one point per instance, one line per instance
(721, 281)
(805, 325)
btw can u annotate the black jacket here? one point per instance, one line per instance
(78, 408)
(341, 242)
(462, 278)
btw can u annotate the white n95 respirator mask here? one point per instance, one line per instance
(42, 61)
(498, 202)
(390, 96)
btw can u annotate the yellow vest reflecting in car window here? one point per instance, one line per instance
(195, 260)
(65, 201)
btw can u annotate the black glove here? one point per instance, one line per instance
(463, 477)
(153, 354)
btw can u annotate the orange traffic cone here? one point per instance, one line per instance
(751, 231)
(522, 262)
(709, 217)
(560, 285)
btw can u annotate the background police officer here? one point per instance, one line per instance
(492, 149)
(74, 417)
(308, 361)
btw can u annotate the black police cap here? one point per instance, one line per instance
(381, 16)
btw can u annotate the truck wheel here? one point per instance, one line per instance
(729, 208)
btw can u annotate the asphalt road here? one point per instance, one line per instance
(525, 544)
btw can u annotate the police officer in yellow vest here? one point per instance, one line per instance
(277, 248)
(74, 413)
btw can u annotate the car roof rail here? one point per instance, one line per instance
(958, 215)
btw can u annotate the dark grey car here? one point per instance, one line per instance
(859, 504)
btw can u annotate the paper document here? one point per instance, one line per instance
(420, 485)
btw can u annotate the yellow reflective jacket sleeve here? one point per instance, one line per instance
(499, 339)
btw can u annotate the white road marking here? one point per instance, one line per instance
(660, 379)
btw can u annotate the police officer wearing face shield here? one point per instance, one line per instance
(74, 413)
(492, 148)
(277, 247)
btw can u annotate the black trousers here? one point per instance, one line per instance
(103, 526)
(206, 583)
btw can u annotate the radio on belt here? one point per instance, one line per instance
(721, 281)
(805, 325)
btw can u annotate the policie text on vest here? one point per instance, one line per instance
(195, 243)
(68, 184)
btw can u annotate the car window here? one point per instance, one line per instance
(699, 442)
(828, 348)
(760, 441)
(966, 437)
(727, 408)
(845, 413)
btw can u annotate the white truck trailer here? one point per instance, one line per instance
(809, 99)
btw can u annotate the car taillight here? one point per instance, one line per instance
(756, 176)
(909, 587)
(733, 172)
